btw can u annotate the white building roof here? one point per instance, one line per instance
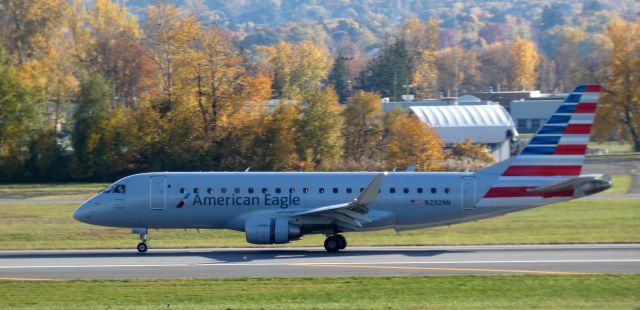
(480, 123)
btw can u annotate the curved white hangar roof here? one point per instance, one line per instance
(480, 123)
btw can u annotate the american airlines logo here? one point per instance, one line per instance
(181, 203)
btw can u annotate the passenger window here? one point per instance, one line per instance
(278, 190)
(182, 190)
(223, 190)
(419, 190)
(392, 190)
(406, 190)
(265, 190)
(433, 190)
(305, 190)
(321, 190)
(335, 190)
(119, 189)
(209, 190)
(236, 190)
(447, 190)
(195, 190)
(292, 190)
(348, 190)
(250, 190)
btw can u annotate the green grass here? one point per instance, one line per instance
(442, 292)
(44, 226)
(621, 185)
(614, 147)
(50, 191)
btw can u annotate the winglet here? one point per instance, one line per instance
(370, 193)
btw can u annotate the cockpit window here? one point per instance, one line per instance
(119, 189)
(108, 189)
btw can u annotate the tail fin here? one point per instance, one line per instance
(558, 147)
(556, 150)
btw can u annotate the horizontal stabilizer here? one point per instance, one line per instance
(572, 183)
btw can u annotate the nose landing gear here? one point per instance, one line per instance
(144, 236)
(335, 243)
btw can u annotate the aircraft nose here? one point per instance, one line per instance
(82, 214)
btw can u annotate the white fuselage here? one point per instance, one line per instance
(407, 200)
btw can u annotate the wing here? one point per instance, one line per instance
(350, 215)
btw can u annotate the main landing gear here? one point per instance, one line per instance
(334, 243)
(144, 236)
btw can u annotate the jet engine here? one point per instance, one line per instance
(269, 230)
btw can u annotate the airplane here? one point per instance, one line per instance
(280, 207)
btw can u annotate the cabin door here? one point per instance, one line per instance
(469, 193)
(157, 193)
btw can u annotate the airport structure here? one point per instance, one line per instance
(490, 125)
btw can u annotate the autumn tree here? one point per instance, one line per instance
(409, 141)
(450, 75)
(363, 128)
(294, 68)
(21, 113)
(470, 150)
(320, 126)
(524, 63)
(422, 41)
(28, 24)
(168, 35)
(279, 140)
(495, 66)
(620, 110)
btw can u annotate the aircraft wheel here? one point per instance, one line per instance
(142, 247)
(342, 241)
(332, 244)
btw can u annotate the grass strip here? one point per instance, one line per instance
(429, 292)
(42, 226)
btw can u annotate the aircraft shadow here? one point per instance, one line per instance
(231, 255)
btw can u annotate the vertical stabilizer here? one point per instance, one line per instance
(556, 151)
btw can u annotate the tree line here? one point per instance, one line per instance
(172, 93)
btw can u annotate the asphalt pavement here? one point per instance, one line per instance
(301, 262)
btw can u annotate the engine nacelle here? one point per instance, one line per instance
(269, 230)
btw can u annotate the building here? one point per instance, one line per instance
(530, 114)
(444, 101)
(490, 125)
(504, 98)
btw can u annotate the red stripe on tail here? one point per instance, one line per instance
(593, 89)
(579, 129)
(521, 191)
(542, 171)
(585, 107)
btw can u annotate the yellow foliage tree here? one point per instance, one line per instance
(525, 59)
(363, 126)
(467, 149)
(409, 141)
(620, 109)
(294, 68)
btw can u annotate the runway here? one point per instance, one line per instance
(300, 262)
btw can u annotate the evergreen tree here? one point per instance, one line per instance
(339, 77)
(94, 105)
(388, 72)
